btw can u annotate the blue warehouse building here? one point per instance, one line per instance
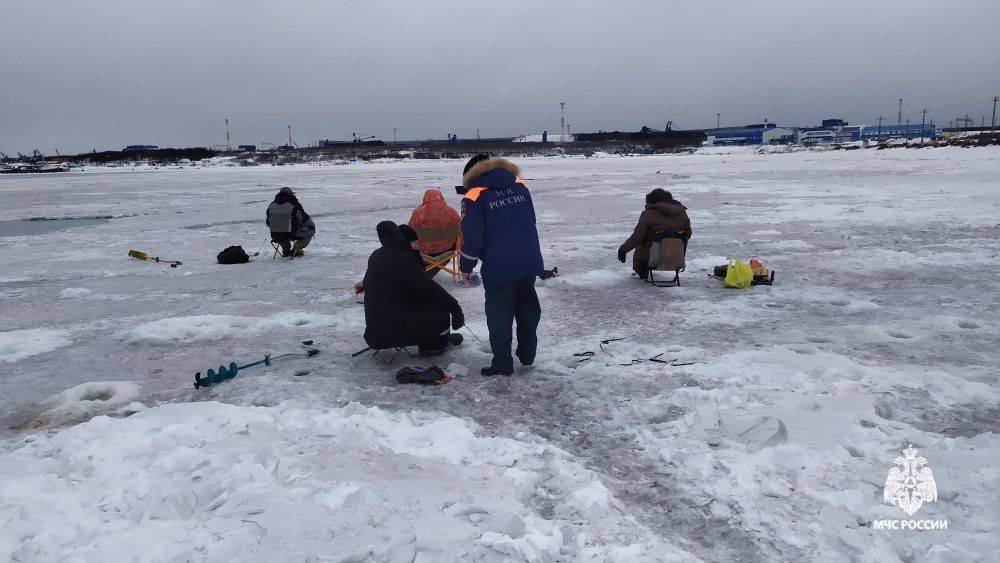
(751, 135)
(874, 133)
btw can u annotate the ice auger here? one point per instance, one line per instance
(225, 373)
(212, 377)
(140, 255)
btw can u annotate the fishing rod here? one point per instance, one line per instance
(260, 247)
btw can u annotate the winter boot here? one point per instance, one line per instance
(424, 351)
(490, 371)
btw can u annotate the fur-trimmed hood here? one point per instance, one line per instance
(489, 165)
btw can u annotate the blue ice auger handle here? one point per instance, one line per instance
(213, 377)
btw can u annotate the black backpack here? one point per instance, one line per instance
(233, 255)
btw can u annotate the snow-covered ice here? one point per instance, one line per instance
(219, 327)
(767, 435)
(213, 481)
(19, 344)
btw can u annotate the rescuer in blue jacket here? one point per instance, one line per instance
(498, 227)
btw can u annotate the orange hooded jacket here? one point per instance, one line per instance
(436, 223)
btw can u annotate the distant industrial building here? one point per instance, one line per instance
(543, 138)
(885, 132)
(139, 148)
(247, 148)
(838, 131)
(816, 136)
(757, 134)
(830, 131)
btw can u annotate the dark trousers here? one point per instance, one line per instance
(505, 304)
(286, 240)
(440, 337)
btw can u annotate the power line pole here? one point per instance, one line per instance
(562, 121)
(229, 147)
(993, 124)
(394, 135)
(923, 120)
(477, 134)
(880, 128)
(718, 119)
(899, 117)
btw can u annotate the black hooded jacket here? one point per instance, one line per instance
(403, 306)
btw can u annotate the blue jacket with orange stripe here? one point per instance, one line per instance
(498, 224)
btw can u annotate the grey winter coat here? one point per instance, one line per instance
(288, 220)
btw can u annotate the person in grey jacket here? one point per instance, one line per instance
(289, 223)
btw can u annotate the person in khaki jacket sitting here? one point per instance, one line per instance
(662, 213)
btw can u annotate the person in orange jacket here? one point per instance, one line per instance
(437, 225)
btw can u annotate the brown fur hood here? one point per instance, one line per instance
(488, 165)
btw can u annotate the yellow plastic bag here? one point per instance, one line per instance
(738, 274)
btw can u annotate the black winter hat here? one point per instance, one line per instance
(474, 161)
(658, 195)
(408, 233)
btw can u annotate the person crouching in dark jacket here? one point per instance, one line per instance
(289, 222)
(663, 213)
(403, 306)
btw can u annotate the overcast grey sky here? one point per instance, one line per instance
(81, 74)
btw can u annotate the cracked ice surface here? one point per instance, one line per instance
(770, 437)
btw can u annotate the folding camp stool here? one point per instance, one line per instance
(440, 261)
(276, 245)
(667, 253)
(396, 352)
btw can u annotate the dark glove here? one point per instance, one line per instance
(621, 256)
(457, 320)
